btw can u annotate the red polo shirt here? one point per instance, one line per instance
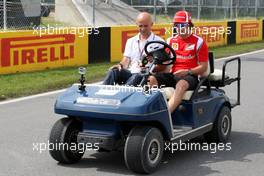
(189, 51)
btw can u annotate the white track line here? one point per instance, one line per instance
(59, 91)
(31, 97)
(240, 55)
(35, 96)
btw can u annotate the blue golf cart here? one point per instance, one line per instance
(136, 120)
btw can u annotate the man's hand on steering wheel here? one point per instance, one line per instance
(159, 54)
(145, 60)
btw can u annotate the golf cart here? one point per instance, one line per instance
(136, 120)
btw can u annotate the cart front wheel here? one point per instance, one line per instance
(63, 138)
(144, 149)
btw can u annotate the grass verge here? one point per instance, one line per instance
(23, 84)
(230, 50)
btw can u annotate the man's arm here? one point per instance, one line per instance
(203, 60)
(200, 69)
(125, 62)
(127, 54)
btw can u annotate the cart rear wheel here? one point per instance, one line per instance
(63, 138)
(221, 128)
(144, 149)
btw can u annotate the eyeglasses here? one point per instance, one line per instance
(141, 25)
(180, 25)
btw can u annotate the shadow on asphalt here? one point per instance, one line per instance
(182, 163)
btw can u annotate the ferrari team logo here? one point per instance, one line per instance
(175, 46)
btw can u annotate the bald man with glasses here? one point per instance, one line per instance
(128, 70)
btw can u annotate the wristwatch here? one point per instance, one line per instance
(190, 72)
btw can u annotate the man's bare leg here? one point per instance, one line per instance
(181, 87)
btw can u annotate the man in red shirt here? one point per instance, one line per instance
(191, 61)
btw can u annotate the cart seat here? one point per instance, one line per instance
(216, 75)
(168, 91)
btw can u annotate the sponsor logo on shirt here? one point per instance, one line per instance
(175, 46)
(190, 47)
(190, 56)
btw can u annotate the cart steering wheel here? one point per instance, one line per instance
(160, 56)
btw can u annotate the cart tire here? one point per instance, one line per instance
(63, 135)
(222, 127)
(144, 149)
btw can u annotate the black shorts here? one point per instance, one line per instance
(169, 80)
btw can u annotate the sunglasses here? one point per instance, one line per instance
(181, 25)
(141, 25)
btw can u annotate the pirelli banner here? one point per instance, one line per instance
(215, 34)
(24, 51)
(248, 31)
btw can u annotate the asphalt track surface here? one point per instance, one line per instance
(29, 121)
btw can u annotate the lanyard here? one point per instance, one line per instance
(141, 51)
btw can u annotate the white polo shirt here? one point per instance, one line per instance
(135, 49)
